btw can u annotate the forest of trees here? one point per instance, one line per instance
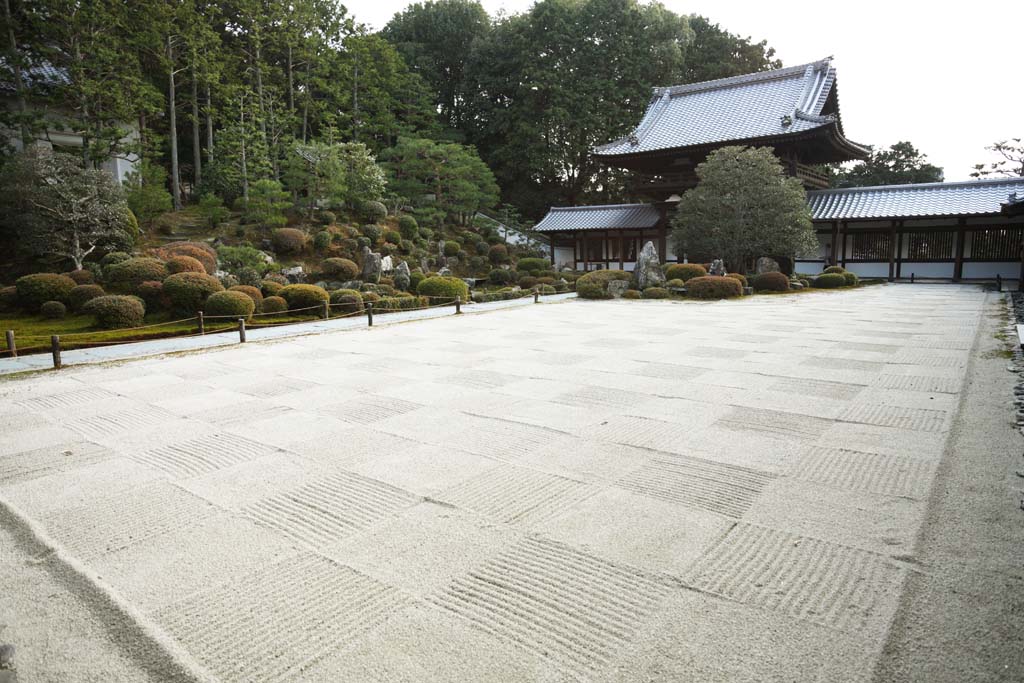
(222, 93)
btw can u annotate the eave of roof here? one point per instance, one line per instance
(600, 217)
(920, 200)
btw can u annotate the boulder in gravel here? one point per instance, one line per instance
(648, 272)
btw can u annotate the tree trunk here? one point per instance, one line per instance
(197, 151)
(355, 102)
(305, 106)
(291, 83)
(173, 128)
(245, 174)
(19, 84)
(209, 126)
(259, 96)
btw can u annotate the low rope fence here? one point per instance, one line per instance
(208, 324)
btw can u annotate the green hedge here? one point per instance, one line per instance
(184, 264)
(128, 275)
(253, 293)
(339, 269)
(500, 295)
(54, 310)
(152, 292)
(232, 303)
(114, 311)
(408, 226)
(274, 304)
(632, 294)
(400, 303)
(289, 240)
(82, 277)
(713, 287)
(187, 292)
(742, 279)
(770, 282)
(83, 293)
(529, 265)
(36, 289)
(685, 271)
(594, 285)
(830, 281)
(443, 286)
(271, 288)
(834, 269)
(304, 296)
(655, 293)
(851, 279)
(346, 301)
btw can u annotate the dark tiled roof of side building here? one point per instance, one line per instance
(607, 217)
(969, 197)
(754, 106)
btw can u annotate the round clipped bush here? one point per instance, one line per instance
(346, 300)
(851, 279)
(675, 283)
(82, 277)
(53, 310)
(184, 264)
(594, 285)
(187, 292)
(200, 251)
(770, 282)
(128, 275)
(371, 232)
(371, 297)
(374, 211)
(713, 287)
(327, 217)
(83, 293)
(685, 271)
(274, 304)
(322, 240)
(253, 293)
(529, 265)
(114, 257)
(393, 236)
(408, 227)
(304, 296)
(415, 278)
(36, 289)
(829, 281)
(546, 289)
(289, 240)
(527, 281)
(631, 294)
(234, 304)
(500, 276)
(271, 288)
(443, 287)
(115, 311)
(834, 269)
(451, 248)
(339, 269)
(8, 298)
(498, 254)
(655, 293)
(152, 292)
(739, 277)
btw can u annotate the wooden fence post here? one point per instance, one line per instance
(241, 330)
(458, 305)
(202, 324)
(55, 349)
(327, 310)
(10, 344)
(369, 314)
(536, 295)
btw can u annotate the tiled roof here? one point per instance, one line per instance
(33, 76)
(607, 217)
(925, 199)
(752, 106)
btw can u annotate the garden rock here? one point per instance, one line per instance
(387, 264)
(795, 284)
(331, 285)
(766, 264)
(371, 266)
(648, 271)
(717, 267)
(295, 274)
(6, 656)
(402, 277)
(618, 287)
(445, 271)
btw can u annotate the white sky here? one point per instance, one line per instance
(944, 76)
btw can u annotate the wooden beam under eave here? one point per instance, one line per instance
(892, 251)
(958, 266)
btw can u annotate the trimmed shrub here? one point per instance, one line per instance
(327, 217)
(83, 293)
(713, 287)
(547, 289)
(655, 293)
(594, 285)
(443, 287)
(36, 289)
(498, 254)
(633, 293)
(371, 297)
(501, 295)
(339, 269)
(322, 240)
(547, 280)
(114, 257)
(685, 271)
(675, 283)
(128, 275)
(304, 296)
(527, 281)
(114, 311)
(415, 278)
(82, 277)
(408, 227)
(152, 292)
(288, 240)
(271, 288)
(374, 211)
(184, 264)
(742, 279)
(234, 304)
(451, 248)
(187, 292)
(401, 303)
(770, 282)
(829, 281)
(347, 300)
(851, 279)
(53, 310)
(834, 269)
(393, 236)
(500, 276)
(200, 251)
(530, 265)
(253, 293)
(9, 298)
(274, 304)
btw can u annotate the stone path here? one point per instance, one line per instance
(589, 491)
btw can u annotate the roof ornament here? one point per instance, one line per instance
(786, 120)
(633, 139)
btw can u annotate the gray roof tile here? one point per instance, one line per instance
(925, 199)
(607, 217)
(758, 105)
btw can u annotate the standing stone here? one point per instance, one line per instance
(402, 277)
(648, 271)
(717, 267)
(295, 274)
(618, 287)
(445, 271)
(371, 266)
(766, 264)
(387, 264)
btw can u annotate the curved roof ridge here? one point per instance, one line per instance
(922, 186)
(742, 79)
(588, 207)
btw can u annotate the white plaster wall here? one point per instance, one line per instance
(871, 269)
(810, 267)
(563, 256)
(926, 269)
(1008, 269)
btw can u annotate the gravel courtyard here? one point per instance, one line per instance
(600, 491)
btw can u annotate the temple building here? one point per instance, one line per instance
(963, 230)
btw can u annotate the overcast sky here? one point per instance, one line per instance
(945, 77)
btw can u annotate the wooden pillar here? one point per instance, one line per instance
(833, 256)
(892, 251)
(575, 256)
(622, 252)
(958, 266)
(1020, 276)
(842, 254)
(551, 247)
(586, 252)
(899, 250)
